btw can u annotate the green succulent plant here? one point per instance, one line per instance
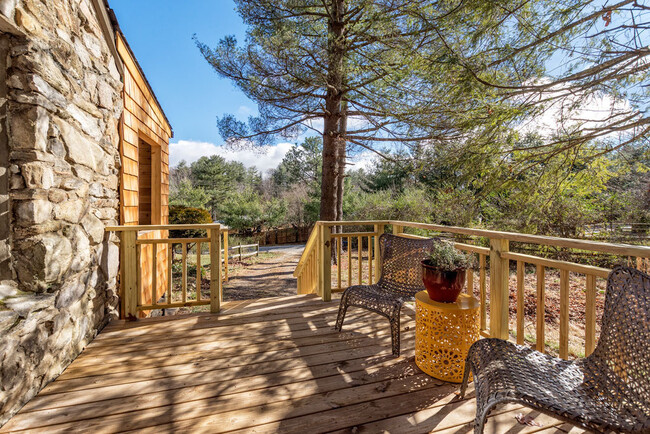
(446, 257)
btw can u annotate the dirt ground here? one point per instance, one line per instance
(271, 276)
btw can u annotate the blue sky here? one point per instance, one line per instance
(190, 92)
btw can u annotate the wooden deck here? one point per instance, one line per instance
(267, 365)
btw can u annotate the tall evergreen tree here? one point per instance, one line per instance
(445, 74)
(359, 66)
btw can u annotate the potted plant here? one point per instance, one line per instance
(444, 272)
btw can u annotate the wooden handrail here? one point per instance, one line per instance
(597, 246)
(203, 226)
(311, 243)
(352, 234)
(175, 240)
(355, 223)
(560, 265)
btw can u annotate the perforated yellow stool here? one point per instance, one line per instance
(443, 334)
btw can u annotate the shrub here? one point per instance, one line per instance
(185, 215)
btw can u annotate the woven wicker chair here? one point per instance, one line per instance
(606, 391)
(401, 279)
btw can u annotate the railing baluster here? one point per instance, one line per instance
(225, 255)
(184, 273)
(590, 315)
(521, 268)
(170, 277)
(482, 289)
(308, 271)
(564, 314)
(359, 259)
(138, 274)
(369, 260)
(309, 274)
(338, 262)
(470, 281)
(349, 263)
(314, 272)
(154, 274)
(379, 229)
(198, 272)
(541, 300)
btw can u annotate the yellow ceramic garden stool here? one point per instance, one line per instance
(443, 334)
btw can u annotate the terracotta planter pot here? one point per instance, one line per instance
(443, 286)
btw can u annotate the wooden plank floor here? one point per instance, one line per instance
(267, 365)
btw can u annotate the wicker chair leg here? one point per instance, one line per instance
(343, 308)
(394, 333)
(479, 426)
(481, 416)
(463, 387)
(341, 316)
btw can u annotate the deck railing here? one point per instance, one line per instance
(316, 274)
(146, 267)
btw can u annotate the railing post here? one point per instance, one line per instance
(379, 229)
(129, 275)
(215, 269)
(499, 290)
(317, 257)
(398, 229)
(225, 255)
(325, 264)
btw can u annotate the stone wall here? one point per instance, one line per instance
(59, 165)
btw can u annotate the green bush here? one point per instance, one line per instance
(185, 215)
(247, 211)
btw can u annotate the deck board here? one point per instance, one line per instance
(268, 365)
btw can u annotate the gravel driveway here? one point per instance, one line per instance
(272, 277)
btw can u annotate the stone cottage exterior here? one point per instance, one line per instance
(61, 173)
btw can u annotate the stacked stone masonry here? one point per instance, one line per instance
(60, 105)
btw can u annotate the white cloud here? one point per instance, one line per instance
(317, 125)
(244, 111)
(568, 111)
(364, 160)
(264, 159)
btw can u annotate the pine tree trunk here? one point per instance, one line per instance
(328, 183)
(340, 178)
(341, 157)
(332, 120)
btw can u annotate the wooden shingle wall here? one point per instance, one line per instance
(144, 122)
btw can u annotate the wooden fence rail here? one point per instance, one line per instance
(147, 273)
(316, 273)
(240, 249)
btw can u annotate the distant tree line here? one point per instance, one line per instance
(554, 196)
